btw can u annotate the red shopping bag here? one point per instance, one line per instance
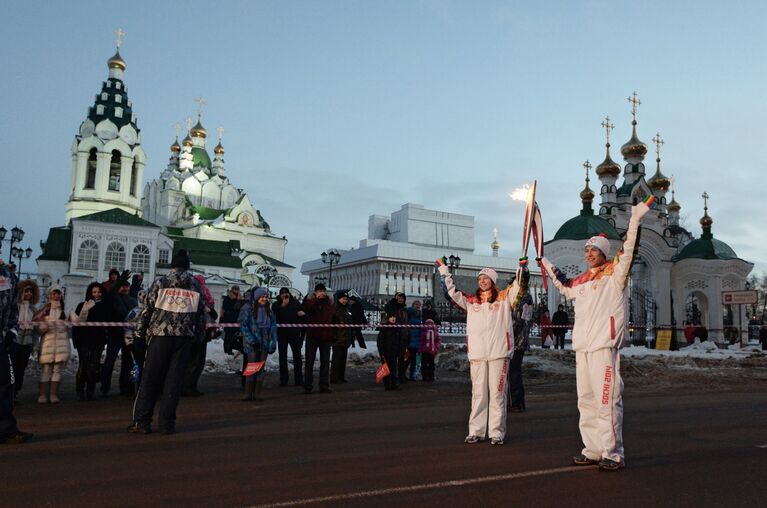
(253, 367)
(382, 372)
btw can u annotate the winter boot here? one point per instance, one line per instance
(259, 389)
(44, 389)
(250, 388)
(55, 392)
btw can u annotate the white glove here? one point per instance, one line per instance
(638, 211)
(443, 270)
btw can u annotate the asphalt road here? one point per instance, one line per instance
(361, 446)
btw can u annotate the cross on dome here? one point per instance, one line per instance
(220, 131)
(188, 121)
(177, 127)
(705, 197)
(200, 105)
(587, 166)
(635, 102)
(658, 143)
(607, 127)
(120, 34)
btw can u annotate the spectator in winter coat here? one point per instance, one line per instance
(136, 284)
(9, 313)
(397, 306)
(545, 328)
(344, 338)
(429, 349)
(89, 340)
(136, 345)
(521, 344)
(388, 348)
(319, 309)
(54, 345)
(28, 337)
(561, 321)
(489, 345)
(230, 313)
(171, 319)
(415, 319)
(359, 317)
(598, 334)
(428, 312)
(114, 275)
(289, 311)
(199, 350)
(121, 303)
(259, 338)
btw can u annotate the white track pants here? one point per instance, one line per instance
(600, 402)
(488, 398)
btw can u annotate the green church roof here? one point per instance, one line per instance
(57, 245)
(117, 216)
(584, 226)
(706, 247)
(200, 157)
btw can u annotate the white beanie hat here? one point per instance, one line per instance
(600, 242)
(490, 273)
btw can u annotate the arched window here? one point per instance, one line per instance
(140, 259)
(114, 171)
(134, 178)
(88, 255)
(90, 175)
(115, 257)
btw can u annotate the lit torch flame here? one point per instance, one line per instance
(521, 193)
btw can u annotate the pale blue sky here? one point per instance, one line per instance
(336, 110)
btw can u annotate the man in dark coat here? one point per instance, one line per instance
(120, 303)
(288, 310)
(9, 315)
(358, 317)
(396, 306)
(319, 309)
(429, 312)
(560, 320)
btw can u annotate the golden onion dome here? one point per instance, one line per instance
(673, 206)
(117, 62)
(175, 147)
(634, 148)
(187, 141)
(219, 150)
(659, 181)
(495, 245)
(587, 195)
(608, 167)
(706, 221)
(198, 131)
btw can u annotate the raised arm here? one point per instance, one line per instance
(556, 275)
(623, 266)
(454, 294)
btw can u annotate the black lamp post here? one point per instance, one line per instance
(454, 262)
(20, 254)
(17, 235)
(331, 257)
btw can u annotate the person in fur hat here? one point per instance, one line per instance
(28, 336)
(489, 345)
(55, 349)
(601, 299)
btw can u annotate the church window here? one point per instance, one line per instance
(114, 171)
(134, 178)
(163, 257)
(118, 99)
(104, 96)
(115, 257)
(88, 255)
(90, 176)
(99, 109)
(605, 189)
(118, 85)
(119, 112)
(140, 259)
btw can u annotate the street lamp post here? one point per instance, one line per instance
(331, 257)
(20, 254)
(454, 262)
(17, 235)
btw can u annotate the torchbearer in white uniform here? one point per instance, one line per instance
(489, 344)
(598, 334)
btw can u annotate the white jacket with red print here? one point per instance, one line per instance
(489, 334)
(601, 303)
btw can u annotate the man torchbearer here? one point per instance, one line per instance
(600, 327)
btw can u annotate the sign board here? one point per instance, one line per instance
(663, 339)
(749, 297)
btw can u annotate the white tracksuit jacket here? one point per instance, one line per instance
(489, 342)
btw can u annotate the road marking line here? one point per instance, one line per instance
(424, 486)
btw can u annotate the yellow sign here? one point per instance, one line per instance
(663, 340)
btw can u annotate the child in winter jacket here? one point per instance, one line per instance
(54, 345)
(429, 349)
(388, 348)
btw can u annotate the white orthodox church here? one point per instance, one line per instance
(675, 277)
(192, 206)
